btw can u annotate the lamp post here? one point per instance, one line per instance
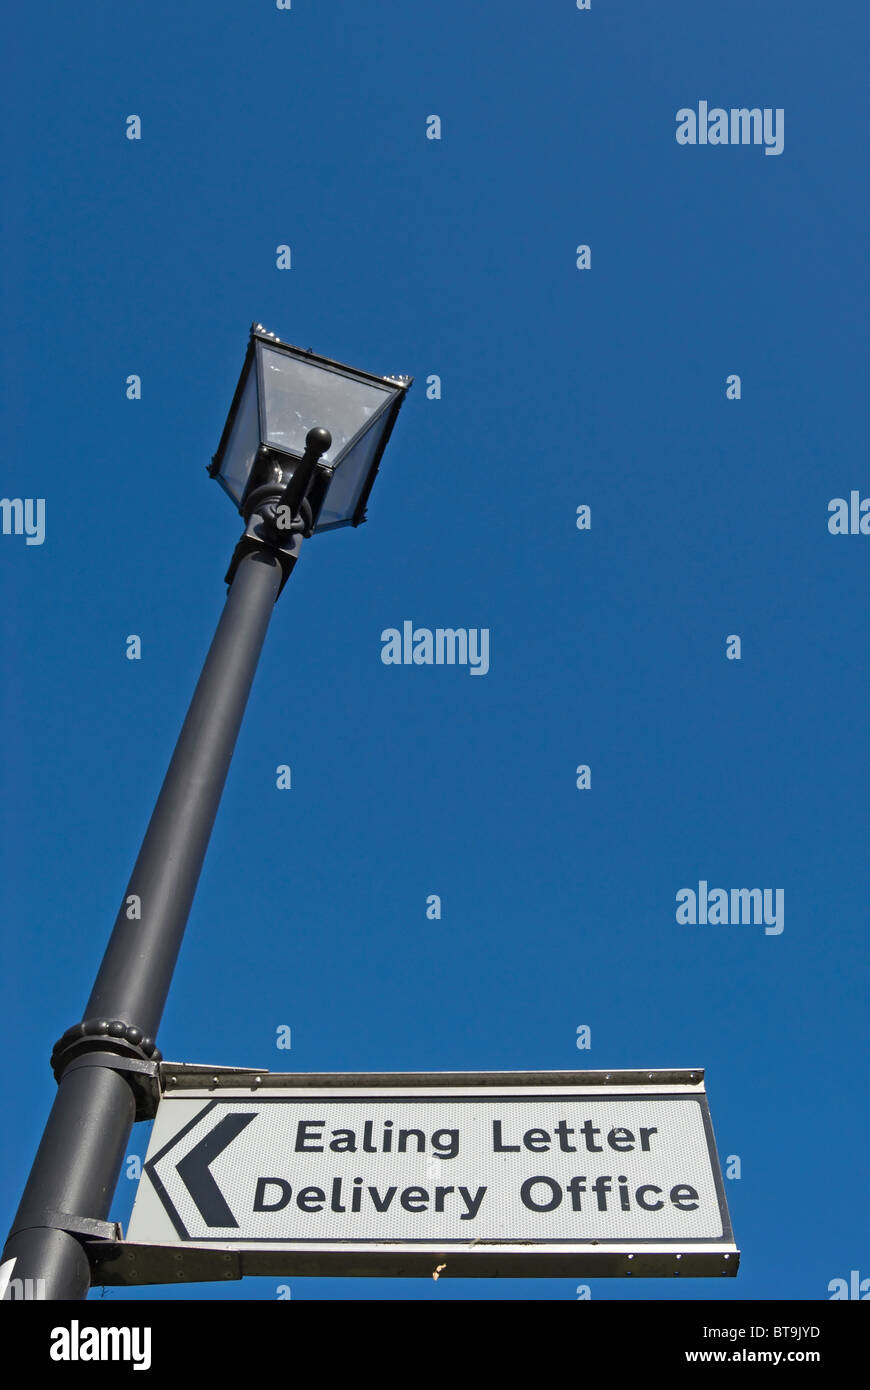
(298, 454)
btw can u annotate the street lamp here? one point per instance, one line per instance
(283, 393)
(298, 455)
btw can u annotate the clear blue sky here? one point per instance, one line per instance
(560, 387)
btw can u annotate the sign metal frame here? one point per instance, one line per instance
(184, 1258)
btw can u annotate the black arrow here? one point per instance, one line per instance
(193, 1170)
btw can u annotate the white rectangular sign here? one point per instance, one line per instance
(431, 1164)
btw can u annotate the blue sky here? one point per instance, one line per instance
(560, 387)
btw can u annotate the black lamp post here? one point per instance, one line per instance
(298, 455)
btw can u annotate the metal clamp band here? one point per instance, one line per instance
(102, 1035)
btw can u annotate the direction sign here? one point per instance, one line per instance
(505, 1173)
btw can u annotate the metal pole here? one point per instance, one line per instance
(79, 1159)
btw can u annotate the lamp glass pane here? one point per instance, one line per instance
(300, 395)
(350, 478)
(244, 440)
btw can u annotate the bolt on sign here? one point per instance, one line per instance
(510, 1174)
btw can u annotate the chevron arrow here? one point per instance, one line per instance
(194, 1172)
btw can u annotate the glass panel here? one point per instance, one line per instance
(350, 478)
(300, 395)
(244, 440)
